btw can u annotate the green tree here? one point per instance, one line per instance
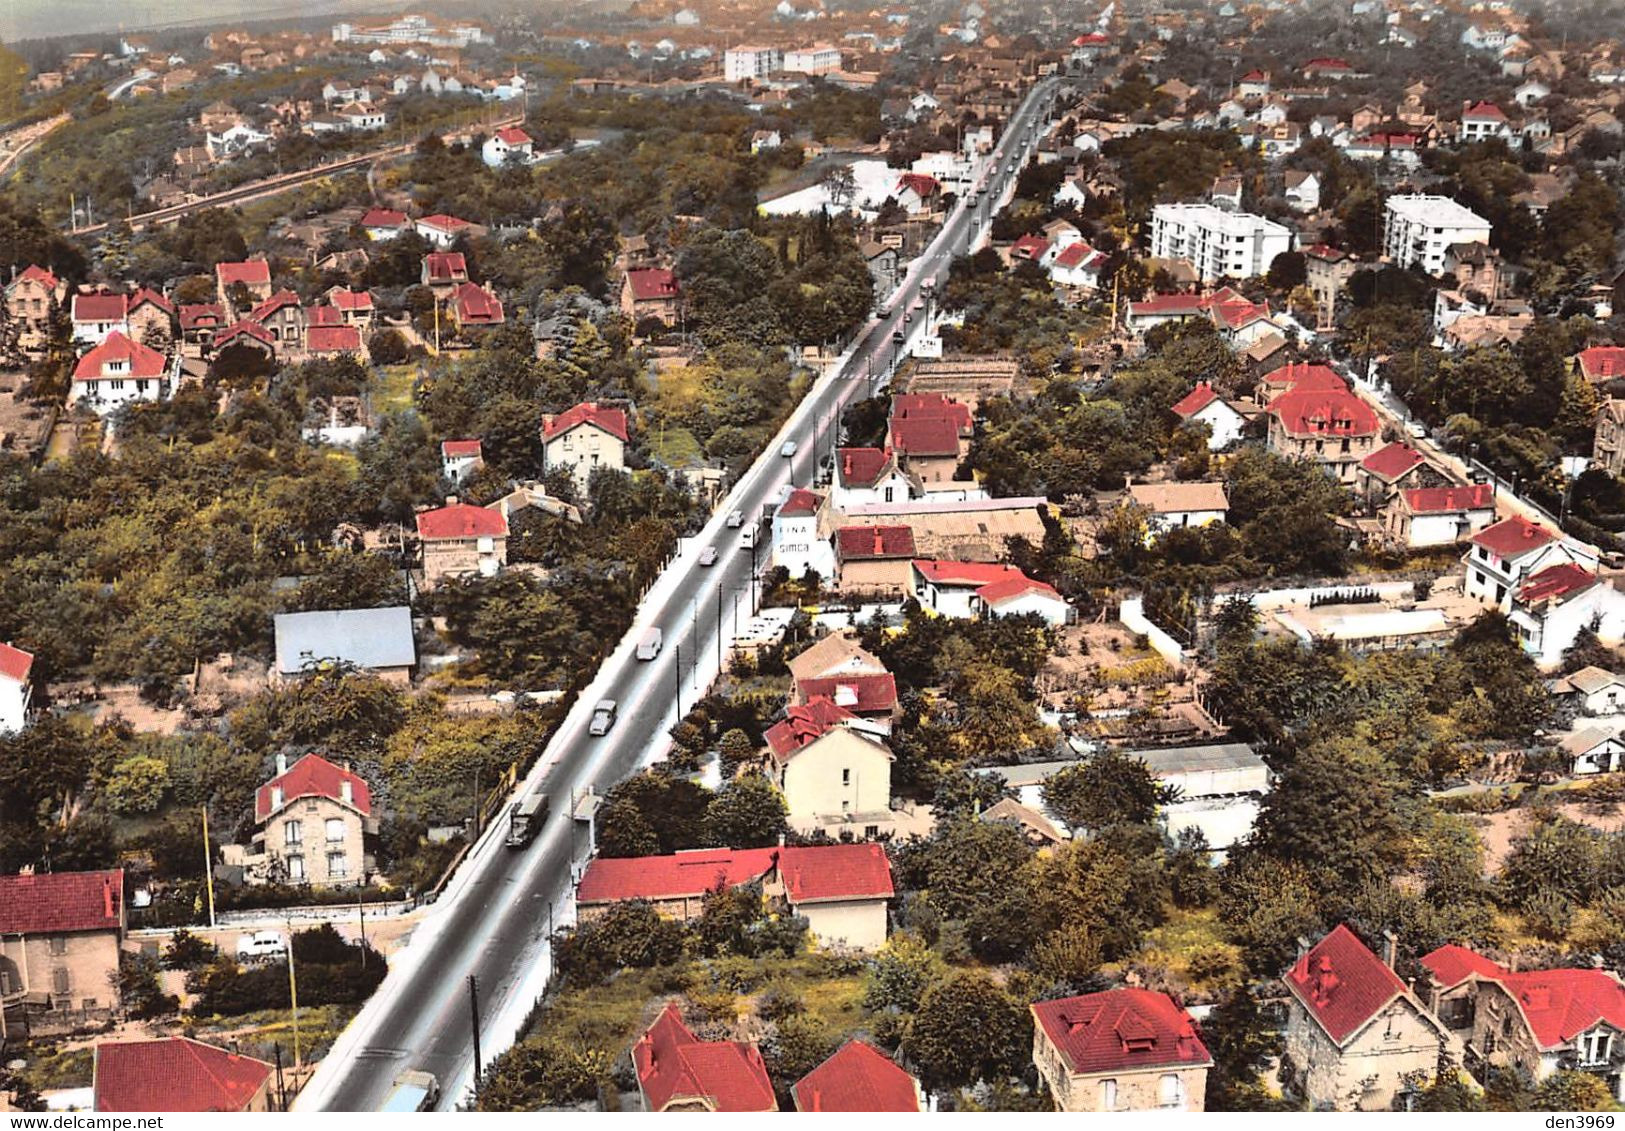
(747, 812)
(1108, 788)
(1570, 1090)
(953, 1054)
(137, 785)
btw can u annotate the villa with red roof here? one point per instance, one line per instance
(1535, 1022)
(283, 316)
(1299, 375)
(652, 292)
(833, 769)
(1028, 249)
(858, 1078)
(16, 692)
(867, 475)
(383, 223)
(584, 438)
(1419, 517)
(460, 458)
(253, 275)
(1328, 68)
(840, 889)
(1600, 364)
(473, 307)
(311, 823)
(60, 934)
(874, 560)
(354, 307)
(1502, 556)
(679, 1072)
(1556, 603)
(461, 540)
(1332, 427)
(1483, 121)
(442, 271)
(149, 315)
(1356, 1038)
(968, 590)
(1077, 265)
(931, 434)
(29, 297)
(1202, 405)
(201, 321)
(1387, 470)
(97, 314)
(442, 230)
(916, 192)
(508, 144)
(117, 372)
(177, 1074)
(1127, 1049)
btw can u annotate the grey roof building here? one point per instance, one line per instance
(376, 640)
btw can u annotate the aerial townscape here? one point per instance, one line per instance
(795, 555)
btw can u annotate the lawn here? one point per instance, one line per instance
(52, 1069)
(394, 386)
(1190, 946)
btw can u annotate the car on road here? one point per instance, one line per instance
(261, 946)
(603, 717)
(787, 449)
(708, 556)
(1416, 429)
(750, 537)
(649, 645)
(736, 520)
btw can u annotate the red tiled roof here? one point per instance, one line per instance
(1391, 461)
(1077, 254)
(513, 135)
(803, 725)
(459, 448)
(251, 272)
(100, 307)
(801, 503)
(441, 222)
(462, 520)
(925, 436)
(924, 186)
(1331, 412)
(1487, 111)
(322, 315)
(144, 295)
(1122, 1030)
(199, 315)
(1167, 304)
(1602, 363)
(313, 776)
(1195, 401)
(1009, 588)
(34, 273)
(811, 874)
(857, 543)
(476, 306)
(1342, 984)
(345, 299)
(15, 663)
(1513, 537)
(1452, 965)
(932, 406)
(862, 467)
(964, 574)
(245, 328)
(1238, 314)
(1093, 39)
(278, 301)
(672, 1064)
(139, 360)
(862, 694)
(174, 1074)
(858, 1077)
(1305, 375)
(1255, 76)
(1029, 247)
(333, 339)
(1325, 251)
(56, 903)
(1447, 500)
(1556, 582)
(1327, 64)
(1562, 1004)
(831, 873)
(652, 283)
(611, 420)
(383, 218)
(446, 266)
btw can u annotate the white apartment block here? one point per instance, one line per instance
(821, 59)
(1418, 230)
(741, 63)
(1219, 244)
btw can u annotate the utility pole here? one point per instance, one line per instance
(474, 1020)
(677, 673)
(208, 866)
(293, 1000)
(361, 916)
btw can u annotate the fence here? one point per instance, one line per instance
(1132, 613)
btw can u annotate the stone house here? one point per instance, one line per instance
(584, 438)
(834, 777)
(283, 317)
(677, 1071)
(1356, 1038)
(312, 821)
(1332, 427)
(459, 540)
(28, 297)
(1608, 441)
(651, 293)
(254, 275)
(1126, 1049)
(857, 1077)
(1419, 517)
(874, 561)
(59, 943)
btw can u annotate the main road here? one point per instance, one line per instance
(493, 922)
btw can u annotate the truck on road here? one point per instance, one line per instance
(525, 819)
(412, 1091)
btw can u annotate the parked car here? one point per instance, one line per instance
(750, 537)
(261, 946)
(1416, 429)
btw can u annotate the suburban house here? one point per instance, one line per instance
(98, 314)
(1307, 376)
(473, 307)
(29, 298)
(651, 292)
(1169, 506)
(1555, 604)
(1608, 438)
(583, 439)
(378, 641)
(1387, 470)
(857, 1077)
(1600, 364)
(444, 271)
(874, 560)
(150, 316)
(354, 307)
(1597, 691)
(60, 935)
(460, 459)
(328, 335)
(1502, 556)
(1078, 266)
(1356, 1038)
(177, 1074)
(1204, 406)
(1536, 1022)
(679, 1072)
(967, 590)
(1332, 427)
(383, 223)
(283, 317)
(16, 692)
(800, 535)
(508, 144)
(867, 475)
(837, 654)
(1593, 750)
(311, 822)
(840, 889)
(460, 540)
(931, 435)
(442, 230)
(119, 371)
(1302, 190)
(1420, 517)
(245, 335)
(834, 777)
(1127, 1049)
(250, 279)
(201, 321)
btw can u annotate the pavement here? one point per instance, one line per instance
(495, 918)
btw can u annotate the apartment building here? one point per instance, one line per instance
(1419, 229)
(740, 63)
(1218, 243)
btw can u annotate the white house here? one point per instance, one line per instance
(1531, 92)
(801, 535)
(1501, 557)
(117, 372)
(820, 59)
(15, 690)
(1558, 602)
(1598, 691)
(1169, 506)
(1204, 406)
(1302, 190)
(1484, 121)
(460, 458)
(1218, 243)
(441, 230)
(97, 315)
(508, 144)
(1077, 265)
(867, 475)
(966, 590)
(1594, 750)
(1420, 517)
(747, 62)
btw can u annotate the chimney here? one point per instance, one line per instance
(1303, 947)
(107, 898)
(1390, 947)
(276, 797)
(347, 792)
(281, 764)
(451, 500)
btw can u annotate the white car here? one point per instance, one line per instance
(1416, 429)
(736, 520)
(261, 946)
(750, 537)
(708, 556)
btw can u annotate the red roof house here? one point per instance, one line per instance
(461, 521)
(873, 543)
(1028, 248)
(1116, 1034)
(866, 693)
(177, 1074)
(382, 220)
(1392, 462)
(1329, 414)
(1451, 965)
(803, 724)
(1450, 500)
(100, 307)
(312, 776)
(119, 358)
(1556, 1005)
(474, 305)
(332, 341)
(1600, 363)
(808, 874)
(611, 420)
(15, 664)
(651, 292)
(57, 903)
(1484, 112)
(679, 1072)
(1513, 537)
(859, 1078)
(251, 273)
(1342, 985)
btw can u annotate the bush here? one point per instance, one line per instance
(389, 347)
(329, 971)
(187, 951)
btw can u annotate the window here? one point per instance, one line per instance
(1595, 1046)
(296, 868)
(293, 832)
(87, 1003)
(1108, 1095)
(335, 865)
(846, 777)
(60, 981)
(335, 830)
(58, 944)
(1170, 1091)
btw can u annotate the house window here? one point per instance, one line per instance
(1108, 1095)
(293, 832)
(88, 1003)
(60, 981)
(58, 945)
(335, 830)
(846, 777)
(1595, 1046)
(1170, 1092)
(296, 868)
(335, 865)
(871, 831)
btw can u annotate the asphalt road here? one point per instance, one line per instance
(494, 919)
